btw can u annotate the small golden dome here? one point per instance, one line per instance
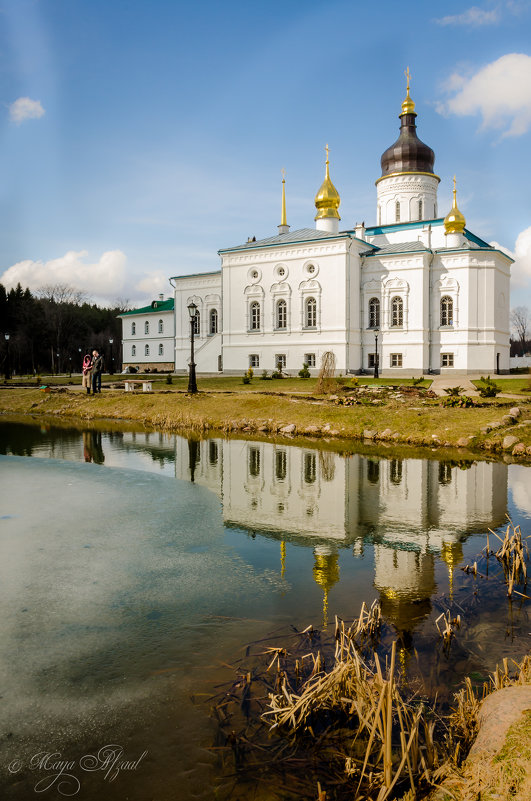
(326, 574)
(408, 106)
(327, 199)
(454, 222)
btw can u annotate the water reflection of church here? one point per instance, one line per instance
(410, 510)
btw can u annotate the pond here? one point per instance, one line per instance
(135, 568)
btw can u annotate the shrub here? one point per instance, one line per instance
(169, 378)
(265, 376)
(489, 389)
(453, 392)
(459, 400)
(418, 381)
(304, 373)
(246, 379)
(250, 372)
(277, 374)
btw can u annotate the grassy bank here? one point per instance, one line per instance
(393, 415)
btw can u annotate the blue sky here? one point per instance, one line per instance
(140, 137)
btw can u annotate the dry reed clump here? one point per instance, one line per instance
(507, 777)
(512, 555)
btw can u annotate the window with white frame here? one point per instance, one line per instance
(255, 316)
(280, 361)
(161, 349)
(397, 312)
(161, 326)
(396, 360)
(146, 350)
(281, 465)
(374, 313)
(197, 323)
(309, 359)
(447, 311)
(213, 322)
(310, 313)
(371, 360)
(133, 350)
(146, 327)
(133, 329)
(254, 360)
(447, 359)
(281, 316)
(310, 468)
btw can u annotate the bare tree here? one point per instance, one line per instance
(61, 293)
(520, 324)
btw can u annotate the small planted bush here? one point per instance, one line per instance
(453, 392)
(265, 376)
(169, 378)
(246, 379)
(488, 388)
(304, 373)
(464, 401)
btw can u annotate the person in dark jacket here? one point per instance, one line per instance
(97, 368)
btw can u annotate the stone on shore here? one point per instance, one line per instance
(509, 443)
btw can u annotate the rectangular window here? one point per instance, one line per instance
(280, 361)
(372, 360)
(396, 360)
(309, 359)
(254, 360)
(447, 359)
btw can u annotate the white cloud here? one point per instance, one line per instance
(500, 92)
(25, 109)
(521, 269)
(472, 16)
(152, 285)
(102, 279)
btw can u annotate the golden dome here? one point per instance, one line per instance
(408, 106)
(327, 199)
(454, 222)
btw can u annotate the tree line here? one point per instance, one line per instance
(51, 330)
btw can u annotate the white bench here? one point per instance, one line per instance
(130, 386)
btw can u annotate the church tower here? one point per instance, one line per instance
(407, 188)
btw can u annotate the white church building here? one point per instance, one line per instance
(417, 292)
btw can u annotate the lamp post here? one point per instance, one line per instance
(111, 368)
(376, 354)
(192, 383)
(8, 365)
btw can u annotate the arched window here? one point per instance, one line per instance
(254, 462)
(133, 329)
(447, 311)
(310, 313)
(146, 327)
(197, 321)
(161, 349)
(374, 313)
(133, 350)
(282, 314)
(146, 350)
(310, 468)
(397, 211)
(213, 322)
(161, 326)
(281, 465)
(255, 316)
(397, 312)
(395, 471)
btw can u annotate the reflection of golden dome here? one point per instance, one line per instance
(282, 558)
(327, 199)
(326, 574)
(408, 106)
(454, 222)
(451, 554)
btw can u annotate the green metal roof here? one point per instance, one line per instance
(155, 307)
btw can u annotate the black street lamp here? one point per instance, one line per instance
(376, 354)
(111, 368)
(192, 383)
(8, 365)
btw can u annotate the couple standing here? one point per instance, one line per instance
(92, 370)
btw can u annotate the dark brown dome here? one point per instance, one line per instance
(408, 154)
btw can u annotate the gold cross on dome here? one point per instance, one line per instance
(454, 183)
(283, 173)
(408, 77)
(326, 148)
